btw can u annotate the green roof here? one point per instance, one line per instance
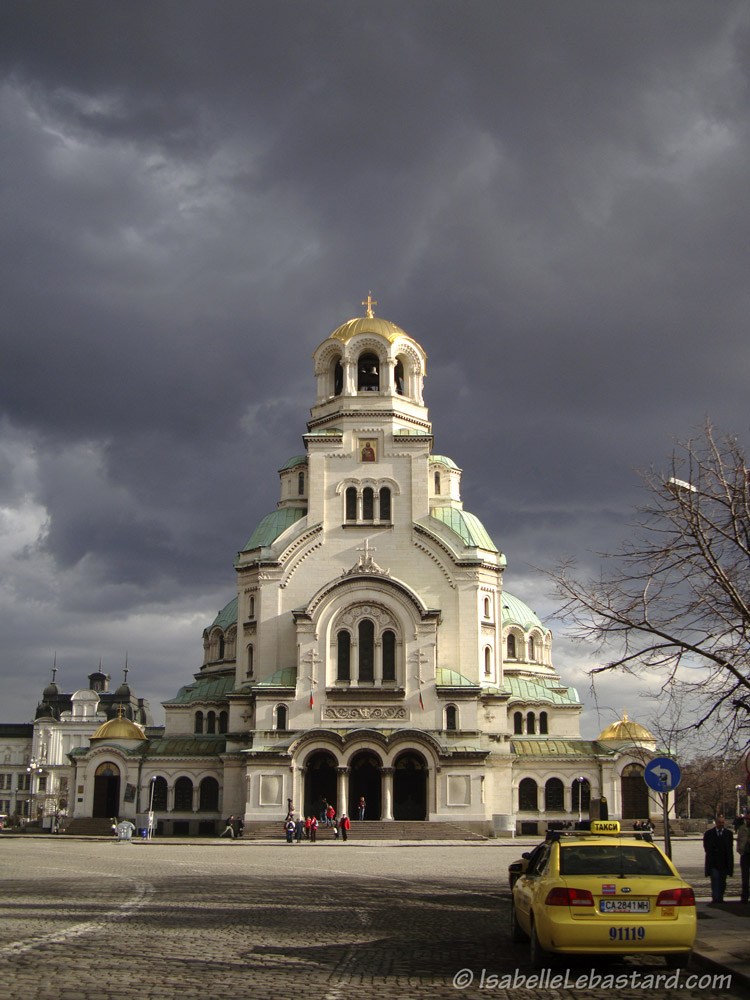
(211, 688)
(187, 746)
(547, 689)
(285, 677)
(452, 678)
(227, 616)
(273, 525)
(515, 612)
(297, 460)
(558, 748)
(443, 460)
(467, 526)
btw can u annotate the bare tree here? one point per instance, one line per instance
(676, 601)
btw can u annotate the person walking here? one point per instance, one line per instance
(717, 843)
(743, 849)
(289, 827)
(240, 827)
(362, 808)
(330, 816)
(307, 827)
(313, 829)
(344, 826)
(323, 810)
(229, 828)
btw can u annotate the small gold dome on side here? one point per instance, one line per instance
(119, 729)
(626, 729)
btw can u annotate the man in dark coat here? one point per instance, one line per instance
(717, 843)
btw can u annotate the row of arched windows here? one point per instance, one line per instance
(531, 721)
(211, 722)
(368, 375)
(515, 650)
(360, 505)
(362, 657)
(554, 795)
(208, 795)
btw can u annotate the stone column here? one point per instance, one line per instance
(350, 382)
(343, 790)
(386, 812)
(389, 382)
(378, 665)
(296, 794)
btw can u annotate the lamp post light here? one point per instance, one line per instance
(689, 791)
(150, 826)
(738, 789)
(580, 781)
(33, 769)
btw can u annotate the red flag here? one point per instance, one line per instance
(311, 700)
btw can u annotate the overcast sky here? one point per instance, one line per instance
(551, 197)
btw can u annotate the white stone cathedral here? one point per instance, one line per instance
(371, 651)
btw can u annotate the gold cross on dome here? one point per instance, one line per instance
(369, 302)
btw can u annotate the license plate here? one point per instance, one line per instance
(624, 906)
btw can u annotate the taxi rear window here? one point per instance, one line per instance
(612, 859)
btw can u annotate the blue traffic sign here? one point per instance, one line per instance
(662, 774)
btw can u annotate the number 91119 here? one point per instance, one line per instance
(627, 933)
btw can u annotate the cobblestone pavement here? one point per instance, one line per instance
(97, 920)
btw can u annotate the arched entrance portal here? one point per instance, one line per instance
(634, 793)
(106, 790)
(410, 786)
(365, 782)
(320, 781)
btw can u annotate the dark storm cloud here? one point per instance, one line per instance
(550, 197)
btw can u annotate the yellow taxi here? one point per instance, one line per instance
(603, 893)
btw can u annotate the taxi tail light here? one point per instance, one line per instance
(560, 896)
(676, 897)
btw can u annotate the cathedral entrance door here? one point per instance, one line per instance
(320, 782)
(106, 791)
(410, 787)
(634, 793)
(365, 783)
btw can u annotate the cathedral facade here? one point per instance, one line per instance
(371, 650)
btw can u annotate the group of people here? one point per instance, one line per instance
(297, 828)
(233, 827)
(644, 825)
(718, 846)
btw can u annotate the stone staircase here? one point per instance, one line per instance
(378, 830)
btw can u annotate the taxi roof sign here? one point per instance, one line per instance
(605, 826)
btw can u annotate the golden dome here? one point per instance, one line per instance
(626, 729)
(119, 729)
(368, 324)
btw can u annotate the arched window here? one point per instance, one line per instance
(437, 484)
(368, 373)
(385, 503)
(159, 799)
(343, 655)
(183, 795)
(518, 723)
(527, 796)
(211, 722)
(530, 723)
(398, 378)
(351, 504)
(582, 789)
(223, 721)
(366, 637)
(281, 717)
(487, 661)
(511, 647)
(338, 379)
(199, 722)
(554, 797)
(486, 607)
(389, 656)
(301, 483)
(250, 660)
(251, 609)
(368, 504)
(451, 717)
(531, 647)
(209, 795)
(543, 724)
(221, 647)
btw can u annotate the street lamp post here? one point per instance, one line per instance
(34, 769)
(580, 781)
(738, 789)
(150, 827)
(689, 791)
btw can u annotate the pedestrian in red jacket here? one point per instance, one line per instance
(344, 825)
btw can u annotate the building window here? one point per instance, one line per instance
(437, 484)
(389, 656)
(251, 609)
(368, 504)
(531, 647)
(487, 661)
(385, 504)
(451, 717)
(366, 637)
(530, 724)
(281, 717)
(368, 373)
(223, 721)
(582, 789)
(42, 782)
(517, 724)
(351, 504)
(159, 798)
(221, 647)
(398, 378)
(543, 724)
(250, 660)
(527, 796)
(199, 722)
(554, 799)
(211, 723)
(301, 484)
(209, 795)
(183, 795)
(338, 379)
(511, 647)
(343, 656)
(486, 607)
